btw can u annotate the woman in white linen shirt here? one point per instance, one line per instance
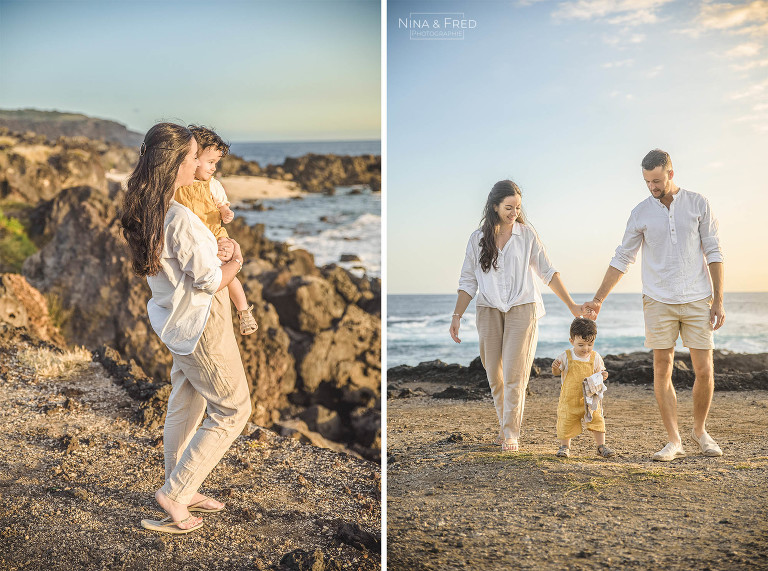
(500, 261)
(189, 310)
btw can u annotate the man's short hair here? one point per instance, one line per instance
(207, 138)
(657, 158)
(584, 328)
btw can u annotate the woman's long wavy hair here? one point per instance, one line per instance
(489, 253)
(150, 190)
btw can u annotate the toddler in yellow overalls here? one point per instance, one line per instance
(574, 365)
(206, 198)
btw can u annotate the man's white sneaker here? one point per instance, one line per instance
(669, 453)
(708, 445)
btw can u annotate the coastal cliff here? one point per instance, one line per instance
(314, 366)
(55, 124)
(61, 144)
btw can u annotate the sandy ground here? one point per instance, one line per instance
(240, 188)
(77, 475)
(455, 502)
(244, 188)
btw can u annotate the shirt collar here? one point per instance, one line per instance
(674, 197)
(516, 228)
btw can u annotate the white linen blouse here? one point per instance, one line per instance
(512, 283)
(189, 276)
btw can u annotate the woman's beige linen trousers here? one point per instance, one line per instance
(211, 377)
(507, 346)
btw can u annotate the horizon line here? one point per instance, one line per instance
(576, 293)
(310, 141)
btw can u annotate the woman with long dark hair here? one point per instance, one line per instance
(501, 260)
(189, 310)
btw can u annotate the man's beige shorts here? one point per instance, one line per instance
(665, 321)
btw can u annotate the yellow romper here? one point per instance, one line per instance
(570, 407)
(197, 197)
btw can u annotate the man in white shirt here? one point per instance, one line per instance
(682, 273)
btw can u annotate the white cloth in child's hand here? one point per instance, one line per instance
(594, 388)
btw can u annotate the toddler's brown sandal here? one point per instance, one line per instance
(248, 323)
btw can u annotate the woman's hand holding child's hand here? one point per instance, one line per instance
(605, 375)
(226, 249)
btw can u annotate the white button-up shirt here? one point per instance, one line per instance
(678, 242)
(190, 273)
(512, 283)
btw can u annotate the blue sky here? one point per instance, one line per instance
(279, 70)
(566, 98)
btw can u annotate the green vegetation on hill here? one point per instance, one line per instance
(15, 245)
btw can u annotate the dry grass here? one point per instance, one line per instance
(35, 153)
(6, 142)
(50, 363)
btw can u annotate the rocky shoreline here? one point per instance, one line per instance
(733, 372)
(315, 364)
(67, 142)
(312, 172)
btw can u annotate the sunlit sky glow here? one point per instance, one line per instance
(256, 70)
(566, 98)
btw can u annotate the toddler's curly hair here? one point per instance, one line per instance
(208, 138)
(584, 328)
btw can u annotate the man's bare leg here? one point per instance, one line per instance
(665, 391)
(703, 387)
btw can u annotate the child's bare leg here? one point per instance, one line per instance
(599, 437)
(566, 442)
(237, 295)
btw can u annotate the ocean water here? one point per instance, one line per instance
(275, 153)
(417, 327)
(329, 227)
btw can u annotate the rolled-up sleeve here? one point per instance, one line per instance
(199, 264)
(468, 279)
(540, 262)
(710, 240)
(218, 194)
(626, 253)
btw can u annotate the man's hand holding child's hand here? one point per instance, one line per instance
(605, 374)
(557, 364)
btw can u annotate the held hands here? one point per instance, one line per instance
(592, 309)
(454, 329)
(605, 375)
(226, 249)
(557, 367)
(227, 215)
(583, 310)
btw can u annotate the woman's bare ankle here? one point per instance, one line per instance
(176, 510)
